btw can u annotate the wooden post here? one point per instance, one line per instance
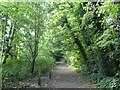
(39, 77)
(50, 75)
(39, 80)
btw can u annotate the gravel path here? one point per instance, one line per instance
(64, 77)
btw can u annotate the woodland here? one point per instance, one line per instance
(85, 35)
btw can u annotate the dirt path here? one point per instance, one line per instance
(64, 77)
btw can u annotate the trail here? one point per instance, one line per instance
(62, 77)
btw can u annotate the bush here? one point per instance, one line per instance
(109, 82)
(44, 65)
(14, 70)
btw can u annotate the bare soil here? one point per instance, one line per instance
(65, 77)
(62, 77)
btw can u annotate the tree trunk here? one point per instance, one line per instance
(33, 64)
(81, 50)
(9, 42)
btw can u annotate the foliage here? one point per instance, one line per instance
(84, 34)
(22, 43)
(73, 60)
(110, 82)
(15, 70)
(91, 29)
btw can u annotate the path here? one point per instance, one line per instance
(64, 77)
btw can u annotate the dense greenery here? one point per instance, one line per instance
(24, 48)
(86, 35)
(91, 38)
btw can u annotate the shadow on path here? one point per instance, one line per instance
(64, 77)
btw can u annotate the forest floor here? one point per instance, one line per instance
(62, 77)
